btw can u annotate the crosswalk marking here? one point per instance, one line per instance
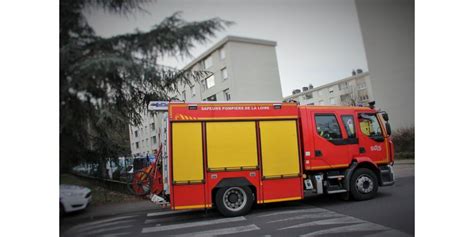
(162, 213)
(94, 232)
(94, 223)
(390, 233)
(192, 224)
(350, 228)
(340, 220)
(116, 234)
(294, 212)
(106, 224)
(308, 216)
(223, 231)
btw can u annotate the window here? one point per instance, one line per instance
(221, 53)
(224, 73)
(321, 102)
(147, 144)
(211, 98)
(343, 85)
(331, 90)
(361, 85)
(363, 95)
(308, 96)
(208, 62)
(152, 126)
(332, 101)
(210, 82)
(153, 139)
(369, 125)
(137, 145)
(193, 90)
(327, 126)
(226, 94)
(136, 133)
(184, 95)
(348, 121)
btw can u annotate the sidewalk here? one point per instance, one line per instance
(405, 161)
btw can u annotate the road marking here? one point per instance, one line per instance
(116, 234)
(162, 213)
(94, 232)
(295, 212)
(321, 215)
(390, 233)
(192, 224)
(87, 228)
(340, 220)
(345, 229)
(80, 226)
(152, 221)
(223, 231)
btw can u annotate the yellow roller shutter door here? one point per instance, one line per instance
(231, 145)
(187, 152)
(279, 148)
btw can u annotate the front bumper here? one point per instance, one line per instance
(76, 203)
(387, 177)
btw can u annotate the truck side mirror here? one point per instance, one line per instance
(384, 115)
(388, 128)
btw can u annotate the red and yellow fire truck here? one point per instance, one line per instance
(232, 155)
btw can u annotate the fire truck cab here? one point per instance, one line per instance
(232, 155)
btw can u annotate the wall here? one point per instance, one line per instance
(388, 33)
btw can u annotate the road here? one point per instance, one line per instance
(391, 213)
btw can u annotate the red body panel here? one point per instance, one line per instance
(276, 190)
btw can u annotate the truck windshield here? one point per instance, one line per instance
(369, 125)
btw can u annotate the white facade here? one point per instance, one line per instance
(355, 90)
(243, 69)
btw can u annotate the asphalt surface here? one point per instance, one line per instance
(391, 213)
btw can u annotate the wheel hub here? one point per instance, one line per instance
(235, 198)
(364, 184)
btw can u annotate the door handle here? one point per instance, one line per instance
(361, 150)
(318, 153)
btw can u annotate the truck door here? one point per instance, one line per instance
(329, 143)
(372, 140)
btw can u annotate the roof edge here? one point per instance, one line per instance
(225, 40)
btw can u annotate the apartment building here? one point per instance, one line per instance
(354, 90)
(243, 69)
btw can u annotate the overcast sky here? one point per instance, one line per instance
(318, 41)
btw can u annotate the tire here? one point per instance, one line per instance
(364, 184)
(140, 183)
(234, 201)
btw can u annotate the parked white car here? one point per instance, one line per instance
(73, 198)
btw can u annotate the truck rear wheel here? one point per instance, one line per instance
(234, 201)
(364, 184)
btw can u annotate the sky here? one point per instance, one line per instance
(318, 41)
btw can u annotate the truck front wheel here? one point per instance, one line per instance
(363, 184)
(234, 201)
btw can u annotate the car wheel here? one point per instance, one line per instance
(364, 184)
(234, 201)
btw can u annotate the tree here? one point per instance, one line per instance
(105, 83)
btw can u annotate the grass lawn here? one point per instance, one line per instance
(100, 195)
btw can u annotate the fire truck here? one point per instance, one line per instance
(232, 156)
